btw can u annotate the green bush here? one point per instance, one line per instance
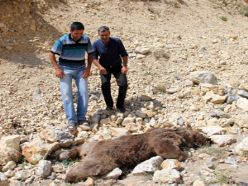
(246, 12)
(223, 18)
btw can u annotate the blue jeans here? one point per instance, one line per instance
(67, 96)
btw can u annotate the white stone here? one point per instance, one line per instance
(142, 50)
(241, 120)
(128, 120)
(223, 140)
(114, 174)
(3, 180)
(82, 135)
(10, 149)
(117, 132)
(244, 86)
(44, 168)
(9, 166)
(212, 130)
(22, 175)
(198, 183)
(243, 104)
(152, 122)
(213, 122)
(150, 165)
(203, 77)
(171, 90)
(216, 99)
(119, 120)
(243, 93)
(242, 147)
(166, 176)
(58, 168)
(9, 173)
(216, 89)
(113, 118)
(173, 118)
(140, 56)
(54, 134)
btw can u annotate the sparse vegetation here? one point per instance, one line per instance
(244, 154)
(214, 151)
(246, 12)
(23, 164)
(67, 163)
(222, 177)
(223, 18)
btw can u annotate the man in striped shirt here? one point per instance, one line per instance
(71, 49)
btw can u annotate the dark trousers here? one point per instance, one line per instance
(106, 86)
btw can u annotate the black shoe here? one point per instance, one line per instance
(83, 122)
(121, 109)
(109, 109)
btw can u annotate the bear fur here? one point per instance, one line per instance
(99, 158)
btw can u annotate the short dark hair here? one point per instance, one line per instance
(103, 29)
(77, 26)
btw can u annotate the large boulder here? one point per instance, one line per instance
(36, 150)
(242, 103)
(242, 147)
(203, 77)
(10, 149)
(3, 180)
(150, 165)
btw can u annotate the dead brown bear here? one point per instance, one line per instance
(99, 158)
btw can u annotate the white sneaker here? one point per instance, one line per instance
(71, 126)
(84, 125)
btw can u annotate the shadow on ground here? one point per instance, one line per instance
(19, 43)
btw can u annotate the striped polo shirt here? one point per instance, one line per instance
(72, 53)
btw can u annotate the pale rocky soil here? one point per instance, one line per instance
(175, 38)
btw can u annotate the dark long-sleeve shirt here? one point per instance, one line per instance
(109, 54)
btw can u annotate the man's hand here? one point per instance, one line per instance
(86, 73)
(59, 73)
(124, 70)
(102, 70)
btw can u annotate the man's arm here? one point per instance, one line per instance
(90, 52)
(58, 72)
(86, 73)
(90, 59)
(125, 61)
(101, 69)
(124, 56)
(124, 68)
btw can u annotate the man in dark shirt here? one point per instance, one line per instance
(111, 58)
